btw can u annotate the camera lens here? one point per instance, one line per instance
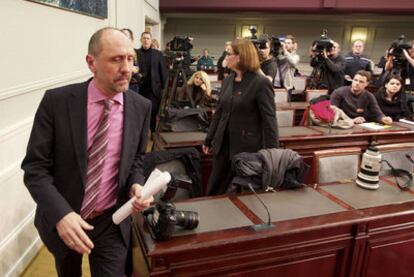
(187, 219)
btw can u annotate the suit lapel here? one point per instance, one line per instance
(77, 106)
(128, 137)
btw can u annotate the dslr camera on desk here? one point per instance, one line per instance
(163, 218)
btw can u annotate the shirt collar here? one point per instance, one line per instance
(95, 95)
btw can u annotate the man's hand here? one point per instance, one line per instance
(325, 55)
(139, 204)
(206, 149)
(359, 120)
(387, 120)
(71, 230)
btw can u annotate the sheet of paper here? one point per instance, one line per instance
(157, 181)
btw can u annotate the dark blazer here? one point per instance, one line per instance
(56, 161)
(249, 115)
(158, 70)
(397, 108)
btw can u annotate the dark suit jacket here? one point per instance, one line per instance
(158, 70)
(56, 161)
(249, 115)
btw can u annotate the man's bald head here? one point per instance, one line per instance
(95, 42)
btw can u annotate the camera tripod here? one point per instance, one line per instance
(180, 77)
(315, 80)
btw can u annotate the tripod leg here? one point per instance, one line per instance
(186, 88)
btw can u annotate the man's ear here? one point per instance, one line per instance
(90, 60)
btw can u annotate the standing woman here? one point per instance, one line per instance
(392, 99)
(245, 119)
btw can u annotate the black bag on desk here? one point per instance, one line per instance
(176, 120)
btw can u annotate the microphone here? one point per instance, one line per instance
(263, 226)
(409, 158)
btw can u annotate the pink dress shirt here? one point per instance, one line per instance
(108, 188)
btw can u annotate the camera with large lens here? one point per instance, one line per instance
(398, 46)
(181, 43)
(275, 42)
(322, 44)
(368, 176)
(164, 217)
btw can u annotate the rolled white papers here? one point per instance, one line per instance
(152, 186)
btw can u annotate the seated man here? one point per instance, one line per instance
(205, 62)
(358, 103)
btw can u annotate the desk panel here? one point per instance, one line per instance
(214, 216)
(291, 204)
(327, 241)
(360, 198)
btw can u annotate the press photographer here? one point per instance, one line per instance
(267, 62)
(400, 61)
(287, 61)
(266, 49)
(328, 65)
(163, 218)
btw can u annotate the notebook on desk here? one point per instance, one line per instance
(374, 126)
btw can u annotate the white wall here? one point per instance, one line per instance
(41, 47)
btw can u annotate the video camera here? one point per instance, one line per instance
(398, 46)
(163, 218)
(275, 43)
(323, 43)
(181, 43)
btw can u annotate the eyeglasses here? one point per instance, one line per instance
(230, 54)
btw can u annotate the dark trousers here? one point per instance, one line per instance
(155, 105)
(108, 257)
(220, 176)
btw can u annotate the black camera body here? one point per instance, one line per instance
(163, 218)
(275, 44)
(183, 44)
(398, 46)
(323, 43)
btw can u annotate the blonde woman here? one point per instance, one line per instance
(199, 88)
(155, 44)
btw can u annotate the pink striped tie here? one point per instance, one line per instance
(96, 159)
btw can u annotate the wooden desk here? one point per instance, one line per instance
(334, 230)
(298, 107)
(304, 140)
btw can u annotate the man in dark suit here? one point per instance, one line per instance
(58, 163)
(154, 74)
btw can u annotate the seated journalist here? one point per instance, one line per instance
(392, 99)
(358, 103)
(199, 88)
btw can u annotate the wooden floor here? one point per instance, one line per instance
(43, 264)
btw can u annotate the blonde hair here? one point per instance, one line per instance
(155, 44)
(248, 57)
(204, 77)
